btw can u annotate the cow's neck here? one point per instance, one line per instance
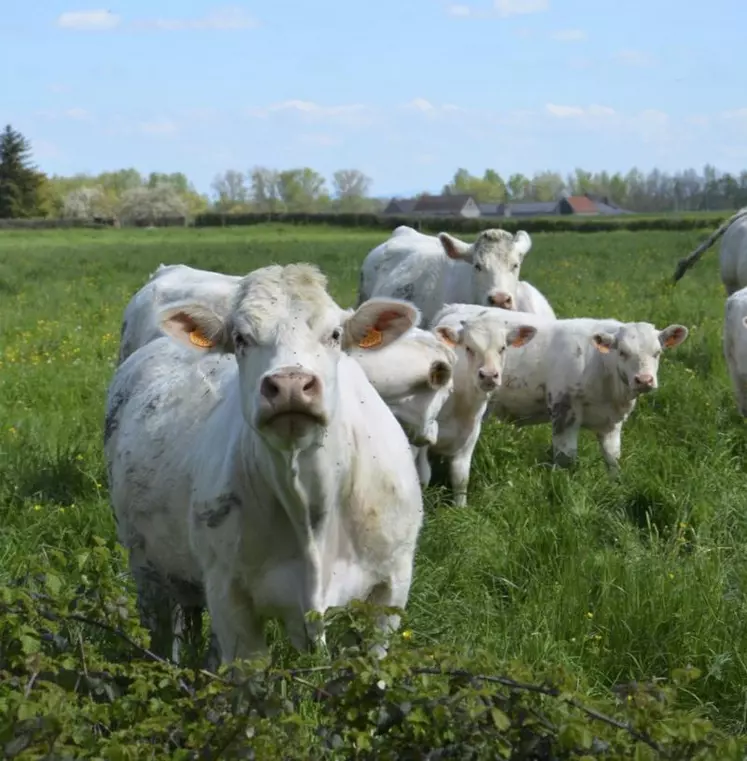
(614, 387)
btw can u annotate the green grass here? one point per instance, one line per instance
(619, 581)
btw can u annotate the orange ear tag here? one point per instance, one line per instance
(372, 338)
(198, 339)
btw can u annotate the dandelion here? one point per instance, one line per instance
(407, 634)
(37, 508)
(589, 614)
(671, 575)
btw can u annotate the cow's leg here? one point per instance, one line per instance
(187, 632)
(239, 631)
(392, 593)
(156, 609)
(423, 466)
(609, 441)
(460, 464)
(566, 424)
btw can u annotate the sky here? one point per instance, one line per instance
(407, 91)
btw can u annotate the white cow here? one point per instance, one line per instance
(735, 346)
(431, 271)
(268, 479)
(733, 256)
(580, 373)
(170, 284)
(413, 374)
(480, 341)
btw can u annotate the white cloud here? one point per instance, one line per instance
(320, 139)
(222, 19)
(737, 114)
(635, 58)
(422, 105)
(432, 110)
(354, 114)
(59, 88)
(79, 114)
(569, 35)
(506, 8)
(459, 10)
(579, 112)
(162, 127)
(90, 21)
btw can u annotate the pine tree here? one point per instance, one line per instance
(20, 181)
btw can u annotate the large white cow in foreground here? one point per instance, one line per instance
(413, 375)
(274, 485)
(580, 373)
(431, 271)
(481, 342)
(735, 346)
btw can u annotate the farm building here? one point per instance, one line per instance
(468, 206)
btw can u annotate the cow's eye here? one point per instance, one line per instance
(624, 354)
(657, 354)
(470, 352)
(240, 341)
(337, 334)
(515, 267)
(478, 267)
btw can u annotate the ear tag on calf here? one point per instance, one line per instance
(198, 339)
(372, 338)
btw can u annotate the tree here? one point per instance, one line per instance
(20, 182)
(350, 188)
(86, 203)
(265, 193)
(302, 189)
(231, 191)
(159, 202)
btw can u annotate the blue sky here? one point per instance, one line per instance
(405, 91)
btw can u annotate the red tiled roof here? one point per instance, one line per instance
(582, 204)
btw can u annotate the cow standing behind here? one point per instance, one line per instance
(481, 341)
(580, 373)
(268, 479)
(413, 375)
(431, 271)
(735, 346)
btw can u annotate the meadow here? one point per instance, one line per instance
(615, 580)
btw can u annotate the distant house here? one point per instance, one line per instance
(447, 206)
(529, 209)
(464, 205)
(400, 206)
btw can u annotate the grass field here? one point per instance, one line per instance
(618, 581)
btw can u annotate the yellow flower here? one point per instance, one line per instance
(589, 614)
(37, 507)
(407, 634)
(671, 575)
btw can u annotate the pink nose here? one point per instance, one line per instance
(287, 388)
(501, 299)
(489, 377)
(645, 380)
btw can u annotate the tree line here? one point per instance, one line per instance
(127, 194)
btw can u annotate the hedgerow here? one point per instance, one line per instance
(569, 223)
(78, 682)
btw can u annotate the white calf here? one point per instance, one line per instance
(480, 341)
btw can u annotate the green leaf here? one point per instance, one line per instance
(53, 583)
(501, 721)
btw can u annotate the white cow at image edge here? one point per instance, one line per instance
(273, 485)
(735, 346)
(733, 256)
(433, 270)
(581, 373)
(481, 342)
(413, 375)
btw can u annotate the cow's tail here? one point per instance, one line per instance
(683, 265)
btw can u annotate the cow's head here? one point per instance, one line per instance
(414, 376)
(495, 258)
(481, 344)
(633, 351)
(288, 335)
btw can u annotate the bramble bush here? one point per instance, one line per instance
(78, 682)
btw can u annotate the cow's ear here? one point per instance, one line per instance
(672, 336)
(603, 342)
(521, 335)
(196, 326)
(378, 322)
(455, 248)
(450, 335)
(522, 243)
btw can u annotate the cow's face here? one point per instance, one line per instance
(483, 341)
(287, 335)
(633, 352)
(414, 376)
(495, 259)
